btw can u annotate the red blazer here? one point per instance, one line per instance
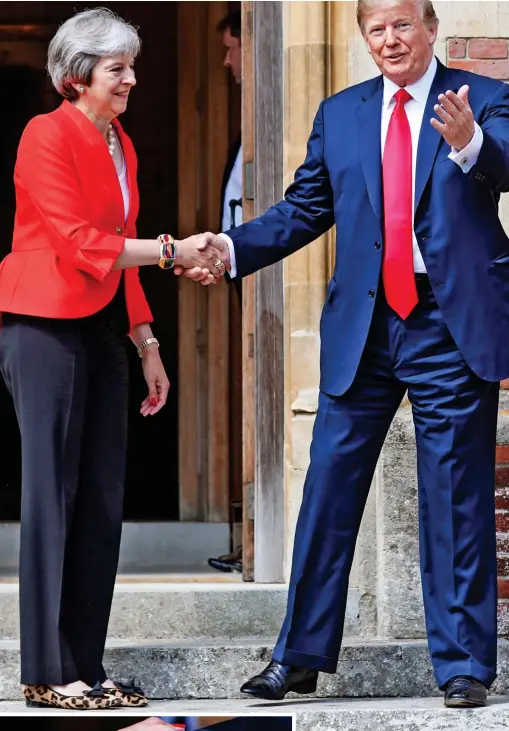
(69, 227)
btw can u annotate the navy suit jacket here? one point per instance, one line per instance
(463, 244)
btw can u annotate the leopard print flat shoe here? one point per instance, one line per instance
(98, 698)
(130, 695)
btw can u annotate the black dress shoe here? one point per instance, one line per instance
(463, 691)
(228, 562)
(277, 680)
(225, 565)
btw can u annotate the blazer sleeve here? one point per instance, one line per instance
(492, 165)
(305, 213)
(45, 170)
(137, 306)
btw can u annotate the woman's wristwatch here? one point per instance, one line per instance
(168, 251)
(143, 345)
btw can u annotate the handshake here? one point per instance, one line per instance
(202, 257)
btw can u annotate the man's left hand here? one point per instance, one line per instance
(458, 121)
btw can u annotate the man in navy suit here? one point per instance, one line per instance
(410, 167)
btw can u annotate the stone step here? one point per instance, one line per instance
(194, 670)
(145, 546)
(176, 611)
(380, 714)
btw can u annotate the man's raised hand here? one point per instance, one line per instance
(458, 125)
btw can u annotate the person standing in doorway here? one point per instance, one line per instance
(70, 296)
(231, 189)
(231, 206)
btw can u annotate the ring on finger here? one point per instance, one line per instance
(218, 269)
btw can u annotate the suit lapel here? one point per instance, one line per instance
(103, 164)
(370, 119)
(429, 138)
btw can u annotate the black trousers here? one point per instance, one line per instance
(68, 380)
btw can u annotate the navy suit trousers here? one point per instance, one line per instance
(455, 418)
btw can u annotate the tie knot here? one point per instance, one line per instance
(402, 97)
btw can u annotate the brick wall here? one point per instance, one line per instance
(502, 517)
(490, 57)
(486, 56)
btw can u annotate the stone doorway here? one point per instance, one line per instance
(185, 515)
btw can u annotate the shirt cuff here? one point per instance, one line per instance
(233, 261)
(467, 157)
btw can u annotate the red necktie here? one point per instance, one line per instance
(398, 266)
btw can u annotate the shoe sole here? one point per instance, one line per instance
(300, 690)
(262, 696)
(52, 706)
(459, 703)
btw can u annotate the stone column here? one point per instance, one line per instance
(306, 272)
(316, 37)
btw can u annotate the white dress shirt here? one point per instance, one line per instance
(233, 191)
(123, 181)
(124, 186)
(414, 109)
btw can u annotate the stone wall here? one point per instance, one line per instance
(490, 57)
(502, 516)
(325, 52)
(310, 75)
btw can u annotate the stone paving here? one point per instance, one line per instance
(392, 714)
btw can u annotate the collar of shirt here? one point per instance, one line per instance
(419, 90)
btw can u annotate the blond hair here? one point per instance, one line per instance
(428, 11)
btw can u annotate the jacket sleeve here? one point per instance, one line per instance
(45, 170)
(492, 166)
(305, 213)
(137, 306)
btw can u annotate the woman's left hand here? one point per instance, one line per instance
(157, 382)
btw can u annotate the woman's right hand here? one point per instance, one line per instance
(204, 251)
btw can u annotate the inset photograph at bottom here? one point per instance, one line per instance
(150, 723)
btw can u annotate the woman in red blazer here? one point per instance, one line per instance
(69, 296)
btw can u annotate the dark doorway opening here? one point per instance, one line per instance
(152, 488)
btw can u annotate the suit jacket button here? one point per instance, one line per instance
(371, 292)
(118, 230)
(377, 245)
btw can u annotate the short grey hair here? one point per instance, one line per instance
(428, 11)
(82, 41)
